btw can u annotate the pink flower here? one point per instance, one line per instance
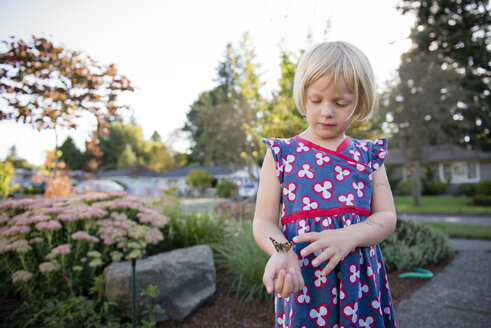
(67, 217)
(49, 225)
(93, 239)
(48, 267)
(21, 276)
(153, 236)
(40, 218)
(4, 218)
(108, 240)
(21, 219)
(80, 235)
(36, 240)
(17, 230)
(19, 244)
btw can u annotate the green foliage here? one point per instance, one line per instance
(404, 188)
(413, 245)
(6, 175)
(226, 189)
(431, 184)
(126, 159)
(190, 229)
(242, 262)
(71, 155)
(484, 188)
(200, 179)
(82, 311)
(481, 200)
(440, 204)
(467, 189)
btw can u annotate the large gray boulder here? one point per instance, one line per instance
(185, 279)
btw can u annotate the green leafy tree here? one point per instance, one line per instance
(216, 120)
(49, 87)
(6, 174)
(121, 135)
(161, 159)
(199, 179)
(127, 159)
(71, 155)
(457, 33)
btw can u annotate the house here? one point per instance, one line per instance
(141, 181)
(451, 163)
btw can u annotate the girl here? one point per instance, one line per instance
(336, 205)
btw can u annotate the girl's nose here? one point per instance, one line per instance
(327, 111)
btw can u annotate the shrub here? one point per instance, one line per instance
(53, 247)
(190, 229)
(6, 175)
(430, 183)
(484, 188)
(483, 200)
(404, 188)
(413, 245)
(200, 179)
(467, 189)
(242, 262)
(226, 189)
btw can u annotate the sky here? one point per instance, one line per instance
(170, 49)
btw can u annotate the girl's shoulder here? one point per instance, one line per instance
(371, 152)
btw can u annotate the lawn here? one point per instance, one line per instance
(440, 204)
(464, 231)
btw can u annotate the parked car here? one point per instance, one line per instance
(248, 190)
(98, 186)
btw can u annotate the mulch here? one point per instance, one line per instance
(223, 311)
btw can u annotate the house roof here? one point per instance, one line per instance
(441, 153)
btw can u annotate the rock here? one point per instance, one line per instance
(185, 279)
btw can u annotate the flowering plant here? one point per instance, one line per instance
(57, 245)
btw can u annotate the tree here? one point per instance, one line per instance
(49, 87)
(199, 179)
(16, 161)
(419, 108)
(161, 160)
(127, 158)
(71, 155)
(155, 137)
(6, 174)
(216, 120)
(121, 135)
(457, 33)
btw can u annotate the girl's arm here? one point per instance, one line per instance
(337, 243)
(282, 272)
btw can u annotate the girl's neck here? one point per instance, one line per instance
(329, 143)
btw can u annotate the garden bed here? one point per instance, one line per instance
(226, 311)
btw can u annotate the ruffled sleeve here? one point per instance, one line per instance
(379, 153)
(274, 145)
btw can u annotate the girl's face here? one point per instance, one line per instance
(328, 109)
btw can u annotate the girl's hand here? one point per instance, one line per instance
(335, 245)
(282, 274)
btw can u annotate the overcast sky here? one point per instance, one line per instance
(170, 49)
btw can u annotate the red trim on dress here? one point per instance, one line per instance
(325, 212)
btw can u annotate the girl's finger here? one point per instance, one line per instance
(324, 256)
(287, 286)
(331, 265)
(301, 282)
(312, 248)
(278, 287)
(305, 237)
(295, 282)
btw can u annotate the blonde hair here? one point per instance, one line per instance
(341, 60)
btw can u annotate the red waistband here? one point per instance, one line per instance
(325, 212)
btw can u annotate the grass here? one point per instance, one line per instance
(440, 204)
(464, 231)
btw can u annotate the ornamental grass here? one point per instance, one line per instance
(56, 247)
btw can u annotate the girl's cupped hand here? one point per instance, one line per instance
(282, 274)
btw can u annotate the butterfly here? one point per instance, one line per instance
(280, 247)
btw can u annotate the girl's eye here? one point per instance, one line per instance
(315, 101)
(341, 104)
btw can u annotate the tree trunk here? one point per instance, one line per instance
(416, 190)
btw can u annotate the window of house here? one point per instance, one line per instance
(459, 172)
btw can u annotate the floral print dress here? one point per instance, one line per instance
(325, 189)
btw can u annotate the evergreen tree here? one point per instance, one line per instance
(127, 158)
(71, 155)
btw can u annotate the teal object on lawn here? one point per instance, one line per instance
(418, 272)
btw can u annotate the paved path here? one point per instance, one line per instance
(459, 296)
(448, 218)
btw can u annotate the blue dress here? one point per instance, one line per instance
(325, 189)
